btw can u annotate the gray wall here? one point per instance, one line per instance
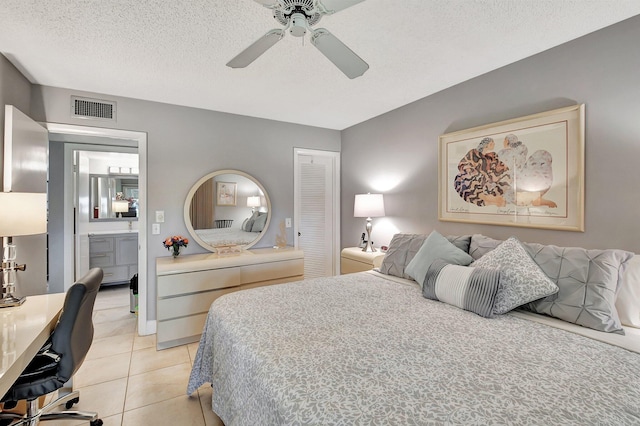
(55, 225)
(400, 148)
(15, 90)
(186, 143)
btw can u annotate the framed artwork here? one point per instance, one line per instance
(527, 172)
(226, 193)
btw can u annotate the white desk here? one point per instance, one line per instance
(24, 329)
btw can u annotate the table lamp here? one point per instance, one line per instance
(120, 206)
(368, 205)
(21, 213)
(253, 202)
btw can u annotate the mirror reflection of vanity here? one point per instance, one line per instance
(227, 208)
(113, 197)
(224, 207)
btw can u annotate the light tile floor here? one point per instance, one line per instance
(128, 382)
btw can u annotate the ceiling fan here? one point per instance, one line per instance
(298, 17)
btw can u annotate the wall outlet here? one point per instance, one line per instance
(160, 216)
(155, 229)
(287, 222)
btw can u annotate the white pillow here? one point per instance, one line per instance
(628, 298)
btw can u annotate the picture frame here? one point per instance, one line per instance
(226, 193)
(525, 172)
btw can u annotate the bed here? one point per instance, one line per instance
(368, 348)
(217, 236)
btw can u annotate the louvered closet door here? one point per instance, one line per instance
(317, 207)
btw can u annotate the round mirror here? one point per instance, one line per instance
(225, 208)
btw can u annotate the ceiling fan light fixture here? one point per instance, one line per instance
(298, 26)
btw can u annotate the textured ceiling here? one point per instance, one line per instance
(175, 51)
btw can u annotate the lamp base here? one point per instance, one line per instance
(10, 300)
(368, 247)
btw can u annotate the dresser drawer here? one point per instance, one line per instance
(193, 282)
(197, 303)
(271, 282)
(183, 330)
(272, 270)
(187, 286)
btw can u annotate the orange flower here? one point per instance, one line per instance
(175, 241)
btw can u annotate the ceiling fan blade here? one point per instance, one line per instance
(260, 46)
(337, 52)
(333, 6)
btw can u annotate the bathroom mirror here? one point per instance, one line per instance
(227, 207)
(113, 197)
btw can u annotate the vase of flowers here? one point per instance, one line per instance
(174, 244)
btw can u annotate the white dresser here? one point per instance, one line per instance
(187, 286)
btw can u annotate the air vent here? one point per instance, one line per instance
(93, 108)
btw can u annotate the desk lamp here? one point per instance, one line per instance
(368, 205)
(21, 213)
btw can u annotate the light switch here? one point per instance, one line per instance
(155, 229)
(287, 222)
(160, 216)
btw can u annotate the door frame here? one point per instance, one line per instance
(145, 326)
(335, 156)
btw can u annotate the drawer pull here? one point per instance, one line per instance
(99, 255)
(108, 274)
(96, 240)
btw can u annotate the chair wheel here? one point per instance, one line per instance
(70, 403)
(96, 422)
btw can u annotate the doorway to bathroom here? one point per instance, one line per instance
(82, 158)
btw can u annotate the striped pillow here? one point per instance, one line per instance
(469, 288)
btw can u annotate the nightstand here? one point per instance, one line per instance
(353, 259)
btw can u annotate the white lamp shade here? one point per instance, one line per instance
(22, 213)
(253, 201)
(368, 205)
(120, 206)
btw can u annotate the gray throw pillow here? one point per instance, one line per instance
(435, 247)
(403, 247)
(248, 224)
(521, 281)
(587, 282)
(258, 224)
(469, 288)
(401, 250)
(460, 241)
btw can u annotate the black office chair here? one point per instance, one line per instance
(59, 359)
